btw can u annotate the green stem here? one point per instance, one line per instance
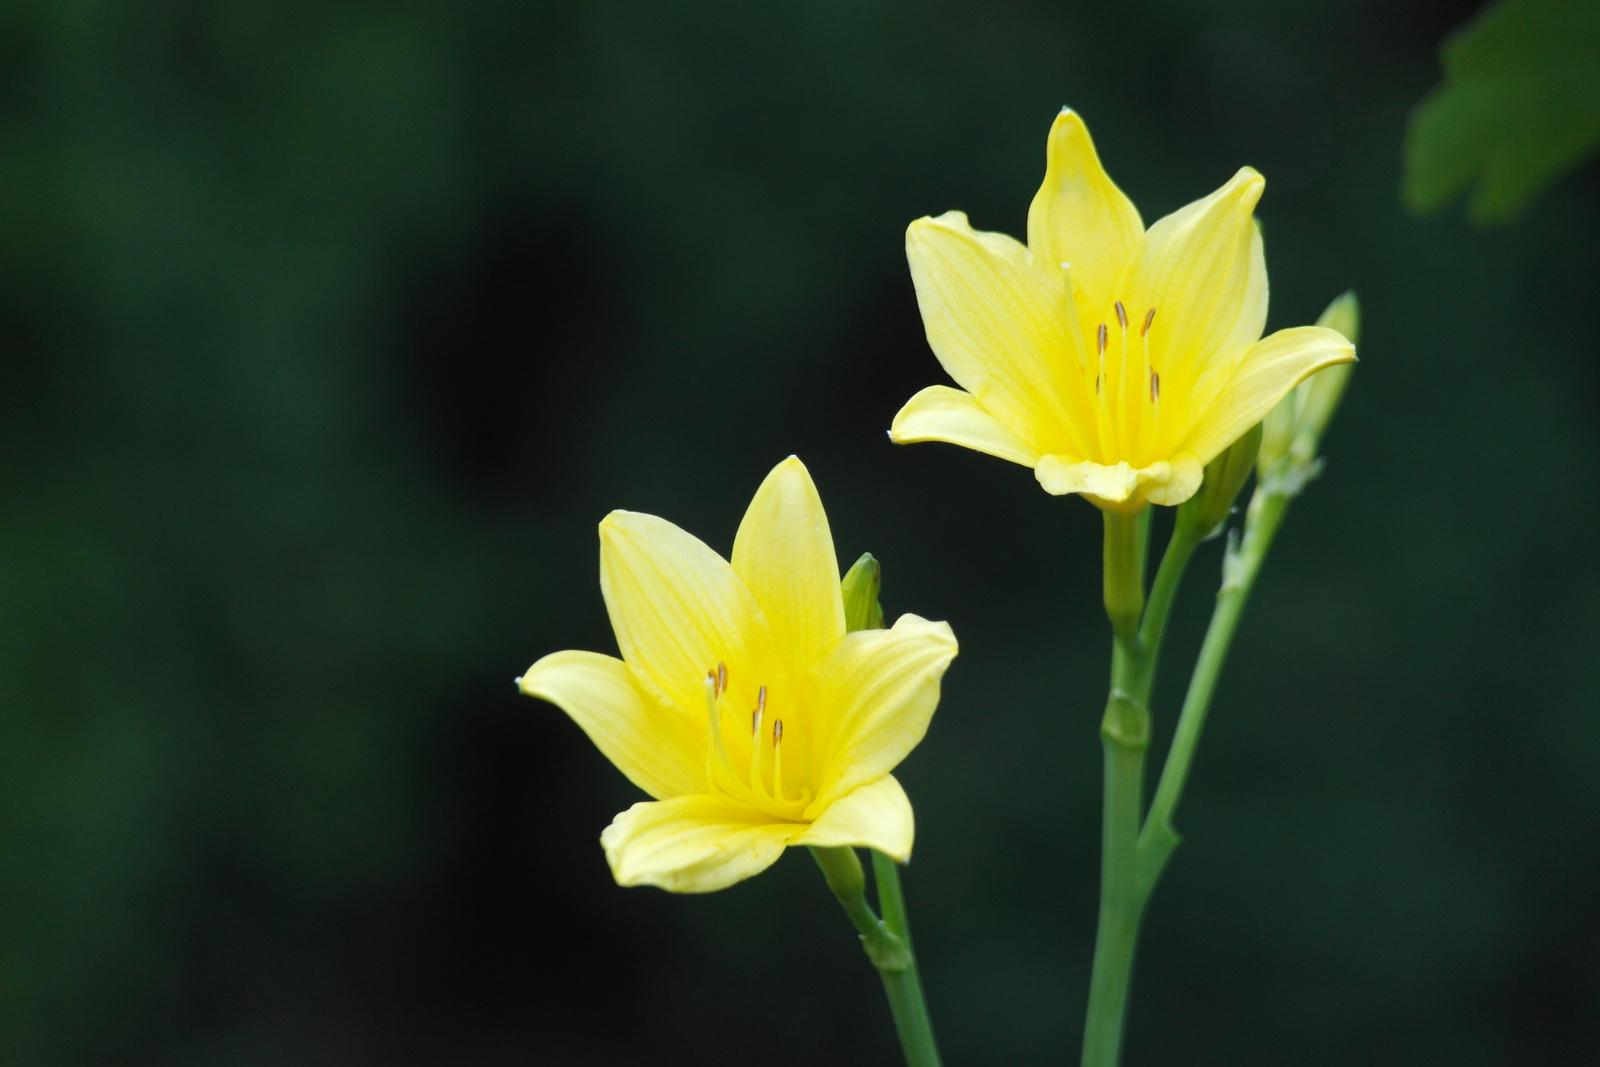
(904, 987)
(1125, 736)
(1241, 564)
(1185, 539)
(887, 942)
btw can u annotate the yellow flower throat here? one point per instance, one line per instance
(761, 784)
(1124, 432)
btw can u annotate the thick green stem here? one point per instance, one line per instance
(904, 987)
(1125, 736)
(887, 942)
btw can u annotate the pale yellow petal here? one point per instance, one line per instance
(1263, 376)
(874, 697)
(996, 318)
(1121, 486)
(876, 815)
(1060, 475)
(940, 413)
(1180, 481)
(1202, 270)
(660, 749)
(784, 552)
(1080, 217)
(693, 844)
(679, 609)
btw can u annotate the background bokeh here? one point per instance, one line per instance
(329, 330)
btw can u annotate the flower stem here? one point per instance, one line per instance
(904, 987)
(1240, 566)
(1125, 734)
(887, 942)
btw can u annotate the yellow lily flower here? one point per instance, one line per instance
(740, 703)
(1115, 361)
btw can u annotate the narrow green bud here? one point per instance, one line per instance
(1203, 514)
(860, 587)
(1296, 425)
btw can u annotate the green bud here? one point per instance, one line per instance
(1296, 425)
(860, 587)
(1205, 512)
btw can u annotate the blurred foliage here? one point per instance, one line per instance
(1519, 107)
(329, 331)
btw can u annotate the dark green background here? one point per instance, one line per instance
(328, 331)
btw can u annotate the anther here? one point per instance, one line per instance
(1155, 387)
(777, 731)
(1149, 317)
(1097, 378)
(1122, 315)
(1101, 338)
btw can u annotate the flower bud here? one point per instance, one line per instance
(1296, 425)
(860, 588)
(1205, 512)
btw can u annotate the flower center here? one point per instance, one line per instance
(1126, 427)
(758, 779)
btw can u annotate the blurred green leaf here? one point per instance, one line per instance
(1519, 106)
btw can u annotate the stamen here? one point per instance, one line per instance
(1101, 338)
(718, 752)
(1097, 378)
(777, 760)
(760, 710)
(1155, 387)
(722, 678)
(1122, 315)
(1149, 317)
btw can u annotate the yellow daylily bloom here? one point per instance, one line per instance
(740, 703)
(1115, 361)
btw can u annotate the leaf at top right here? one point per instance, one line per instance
(1519, 106)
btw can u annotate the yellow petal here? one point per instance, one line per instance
(874, 696)
(876, 815)
(693, 844)
(784, 552)
(1121, 486)
(940, 413)
(1203, 272)
(679, 609)
(660, 749)
(1080, 217)
(1263, 376)
(997, 317)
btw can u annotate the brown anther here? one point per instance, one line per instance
(1149, 317)
(1097, 378)
(761, 699)
(777, 731)
(1155, 387)
(1122, 315)
(718, 677)
(755, 722)
(1100, 337)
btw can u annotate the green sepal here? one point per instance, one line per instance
(860, 588)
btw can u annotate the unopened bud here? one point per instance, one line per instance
(1296, 425)
(860, 588)
(1205, 512)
